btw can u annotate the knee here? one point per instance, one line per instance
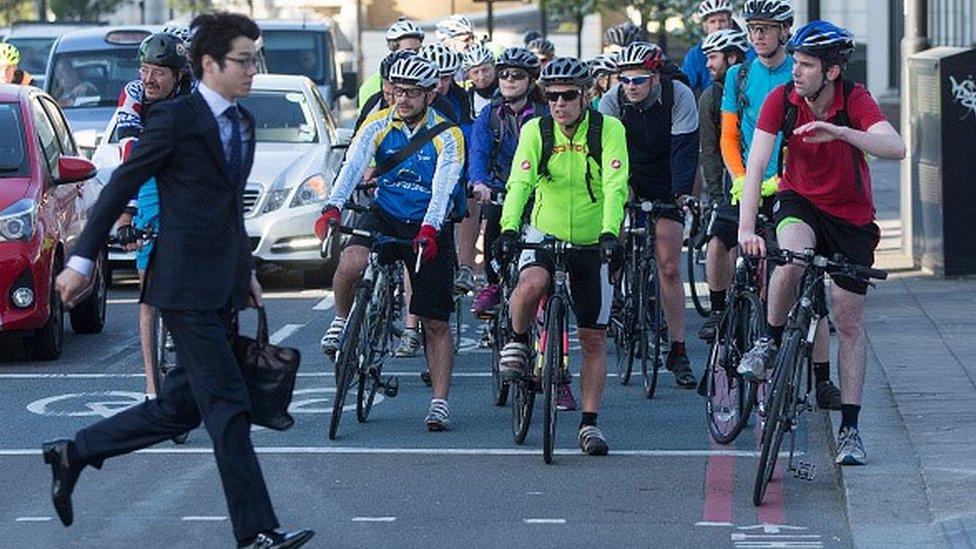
(670, 270)
(847, 322)
(533, 283)
(592, 340)
(436, 328)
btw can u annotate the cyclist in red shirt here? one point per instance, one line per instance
(824, 202)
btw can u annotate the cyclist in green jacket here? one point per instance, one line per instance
(578, 199)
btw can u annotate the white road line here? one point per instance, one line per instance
(122, 300)
(544, 521)
(33, 519)
(300, 374)
(327, 302)
(706, 523)
(283, 333)
(349, 450)
(203, 519)
(374, 519)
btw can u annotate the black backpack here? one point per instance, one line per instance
(840, 119)
(594, 146)
(672, 71)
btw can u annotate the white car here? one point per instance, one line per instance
(299, 150)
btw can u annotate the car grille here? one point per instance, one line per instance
(252, 193)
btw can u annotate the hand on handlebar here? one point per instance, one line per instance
(128, 237)
(503, 246)
(752, 244)
(482, 193)
(612, 251)
(330, 215)
(426, 238)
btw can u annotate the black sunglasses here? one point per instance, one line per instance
(512, 75)
(568, 95)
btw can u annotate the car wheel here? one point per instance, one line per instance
(88, 317)
(46, 342)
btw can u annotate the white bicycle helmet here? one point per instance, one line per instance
(640, 55)
(724, 40)
(708, 7)
(454, 26)
(780, 11)
(566, 70)
(542, 48)
(603, 64)
(622, 35)
(415, 70)
(447, 60)
(404, 28)
(179, 31)
(478, 54)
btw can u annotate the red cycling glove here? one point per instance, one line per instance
(322, 223)
(427, 236)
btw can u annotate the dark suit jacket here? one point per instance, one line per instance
(202, 256)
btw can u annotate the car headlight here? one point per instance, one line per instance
(276, 199)
(17, 220)
(313, 190)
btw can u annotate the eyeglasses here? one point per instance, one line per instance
(512, 75)
(412, 93)
(761, 30)
(635, 80)
(568, 95)
(156, 72)
(245, 62)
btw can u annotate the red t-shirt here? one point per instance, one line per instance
(823, 172)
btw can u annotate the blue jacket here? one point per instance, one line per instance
(482, 144)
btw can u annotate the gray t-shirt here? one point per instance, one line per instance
(684, 114)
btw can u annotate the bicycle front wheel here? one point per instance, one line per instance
(499, 388)
(695, 263)
(652, 322)
(349, 356)
(552, 363)
(522, 401)
(777, 412)
(162, 359)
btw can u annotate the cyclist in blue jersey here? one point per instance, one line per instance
(411, 202)
(163, 74)
(715, 15)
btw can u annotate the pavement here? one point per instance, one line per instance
(917, 420)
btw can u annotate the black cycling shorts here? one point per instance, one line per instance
(433, 286)
(723, 224)
(589, 280)
(833, 235)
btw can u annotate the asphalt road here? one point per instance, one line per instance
(389, 482)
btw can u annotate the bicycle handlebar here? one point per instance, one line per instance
(377, 240)
(837, 265)
(146, 234)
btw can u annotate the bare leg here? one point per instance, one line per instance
(468, 234)
(352, 262)
(593, 374)
(411, 321)
(147, 321)
(719, 264)
(852, 345)
(795, 237)
(532, 285)
(669, 240)
(440, 355)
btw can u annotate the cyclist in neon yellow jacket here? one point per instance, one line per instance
(574, 163)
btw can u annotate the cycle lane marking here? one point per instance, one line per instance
(374, 519)
(284, 333)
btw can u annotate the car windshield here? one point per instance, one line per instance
(92, 78)
(13, 148)
(281, 116)
(33, 53)
(297, 52)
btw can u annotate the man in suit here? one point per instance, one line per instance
(199, 148)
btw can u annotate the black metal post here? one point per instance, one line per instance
(543, 23)
(813, 10)
(491, 19)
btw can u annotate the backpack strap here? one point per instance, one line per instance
(594, 148)
(412, 146)
(741, 101)
(844, 119)
(495, 123)
(786, 128)
(667, 101)
(367, 109)
(547, 132)
(716, 113)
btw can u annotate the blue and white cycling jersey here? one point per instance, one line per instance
(419, 188)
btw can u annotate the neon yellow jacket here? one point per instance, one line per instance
(563, 205)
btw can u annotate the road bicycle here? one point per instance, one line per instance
(787, 396)
(370, 331)
(695, 258)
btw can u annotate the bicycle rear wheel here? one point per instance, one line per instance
(347, 361)
(777, 413)
(622, 325)
(379, 330)
(522, 402)
(552, 362)
(163, 359)
(652, 321)
(695, 262)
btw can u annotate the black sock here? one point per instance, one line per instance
(821, 371)
(678, 348)
(520, 338)
(848, 415)
(717, 299)
(776, 332)
(589, 418)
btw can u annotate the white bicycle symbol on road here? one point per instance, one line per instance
(316, 400)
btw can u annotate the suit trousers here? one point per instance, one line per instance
(206, 385)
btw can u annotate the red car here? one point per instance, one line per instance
(46, 192)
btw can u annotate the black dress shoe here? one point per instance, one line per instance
(280, 540)
(59, 454)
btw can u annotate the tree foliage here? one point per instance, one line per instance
(648, 11)
(15, 10)
(84, 10)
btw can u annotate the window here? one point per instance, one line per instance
(46, 136)
(281, 117)
(61, 127)
(13, 148)
(88, 79)
(299, 52)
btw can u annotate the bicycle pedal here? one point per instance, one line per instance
(392, 387)
(805, 470)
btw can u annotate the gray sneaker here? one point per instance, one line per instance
(464, 279)
(754, 363)
(330, 341)
(438, 417)
(513, 361)
(850, 449)
(592, 442)
(410, 344)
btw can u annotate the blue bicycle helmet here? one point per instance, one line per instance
(832, 44)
